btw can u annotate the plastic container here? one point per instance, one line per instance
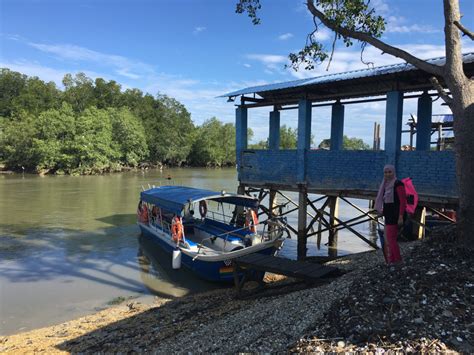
(176, 261)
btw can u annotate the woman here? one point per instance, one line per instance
(391, 202)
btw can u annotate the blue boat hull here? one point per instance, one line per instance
(216, 271)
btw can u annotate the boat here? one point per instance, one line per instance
(225, 228)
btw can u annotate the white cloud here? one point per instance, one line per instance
(124, 72)
(410, 29)
(381, 7)
(268, 58)
(46, 73)
(285, 36)
(247, 65)
(399, 25)
(13, 37)
(122, 65)
(323, 34)
(198, 30)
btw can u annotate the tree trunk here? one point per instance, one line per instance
(463, 110)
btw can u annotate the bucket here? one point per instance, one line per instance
(176, 261)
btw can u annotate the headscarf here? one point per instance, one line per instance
(386, 193)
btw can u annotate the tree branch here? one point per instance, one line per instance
(332, 50)
(464, 30)
(454, 62)
(364, 37)
(441, 92)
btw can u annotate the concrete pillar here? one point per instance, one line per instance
(302, 210)
(241, 137)
(304, 138)
(337, 126)
(393, 125)
(423, 124)
(274, 137)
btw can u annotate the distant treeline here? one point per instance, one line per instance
(92, 126)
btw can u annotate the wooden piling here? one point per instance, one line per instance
(333, 234)
(418, 231)
(302, 210)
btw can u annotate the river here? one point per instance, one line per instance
(69, 245)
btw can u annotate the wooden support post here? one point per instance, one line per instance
(273, 204)
(302, 210)
(393, 125)
(418, 231)
(272, 207)
(274, 137)
(423, 124)
(337, 126)
(241, 136)
(238, 210)
(333, 234)
(318, 241)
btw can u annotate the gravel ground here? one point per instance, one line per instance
(425, 304)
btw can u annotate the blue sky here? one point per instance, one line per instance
(196, 50)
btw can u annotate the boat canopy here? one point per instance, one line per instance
(174, 198)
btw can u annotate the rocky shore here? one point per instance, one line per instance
(422, 305)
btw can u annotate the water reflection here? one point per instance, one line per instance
(69, 244)
(160, 278)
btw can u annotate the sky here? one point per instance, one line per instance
(196, 50)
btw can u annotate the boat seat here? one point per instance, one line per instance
(216, 231)
(238, 232)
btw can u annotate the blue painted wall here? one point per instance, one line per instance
(345, 169)
(274, 136)
(433, 173)
(269, 166)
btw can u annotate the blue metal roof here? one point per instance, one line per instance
(355, 74)
(174, 198)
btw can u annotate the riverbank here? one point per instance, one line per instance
(423, 305)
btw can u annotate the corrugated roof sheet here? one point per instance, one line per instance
(361, 73)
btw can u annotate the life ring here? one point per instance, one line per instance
(177, 230)
(203, 208)
(139, 210)
(251, 220)
(144, 214)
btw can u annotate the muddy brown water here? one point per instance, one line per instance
(70, 245)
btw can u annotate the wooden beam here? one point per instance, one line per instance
(302, 212)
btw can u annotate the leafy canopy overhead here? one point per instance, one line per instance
(352, 15)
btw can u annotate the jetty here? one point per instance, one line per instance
(336, 174)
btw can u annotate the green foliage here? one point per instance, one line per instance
(259, 145)
(213, 144)
(342, 15)
(11, 85)
(16, 145)
(128, 136)
(37, 96)
(352, 143)
(79, 91)
(107, 94)
(93, 127)
(52, 139)
(288, 137)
